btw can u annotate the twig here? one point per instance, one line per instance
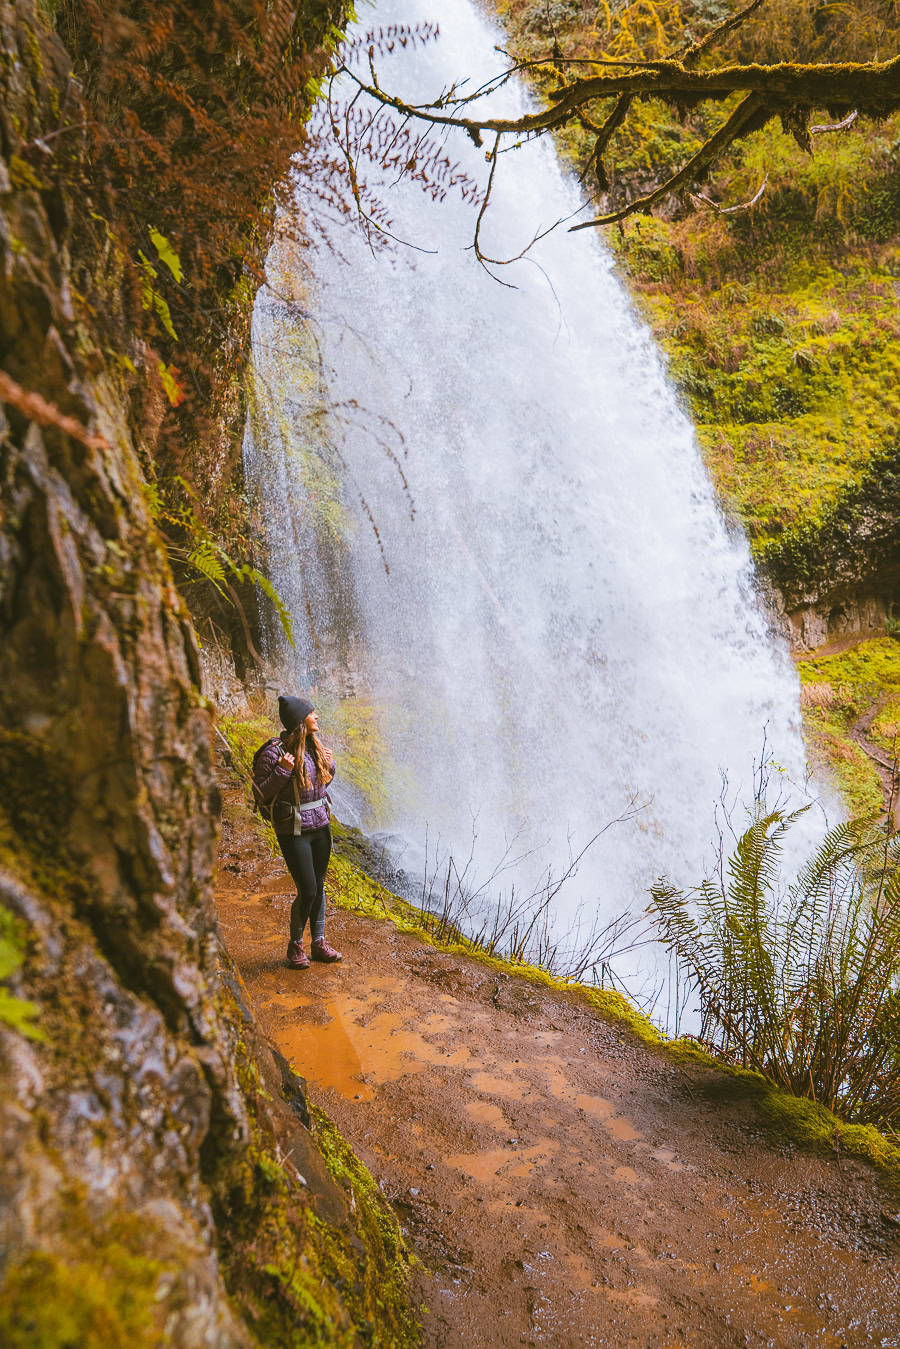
(835, 126)
(36, 407)
(729, 210)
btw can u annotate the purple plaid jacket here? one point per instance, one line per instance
(270, 777)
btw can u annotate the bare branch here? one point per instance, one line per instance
(698, 197)
(835, 126)
(37, 409)
(605, 134)
(782, 86)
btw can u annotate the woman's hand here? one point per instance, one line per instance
(286, 761)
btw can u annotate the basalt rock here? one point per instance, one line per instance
(841, 578)
(159, 1181)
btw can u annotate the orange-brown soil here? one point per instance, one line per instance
(561, 1182)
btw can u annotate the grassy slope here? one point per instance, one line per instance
(837, 691)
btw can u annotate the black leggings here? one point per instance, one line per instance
(307, 857)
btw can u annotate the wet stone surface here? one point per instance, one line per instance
(561, 1183)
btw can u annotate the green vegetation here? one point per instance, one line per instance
(99, 1291)
(18, 1013)
(385, 1273)
(244, 736)
(837, 692)
(800, 981)
(780, 324)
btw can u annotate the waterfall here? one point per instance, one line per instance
(488, 515)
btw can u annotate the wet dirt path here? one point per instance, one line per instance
(561, 1183)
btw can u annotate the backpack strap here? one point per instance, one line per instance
(265, 807)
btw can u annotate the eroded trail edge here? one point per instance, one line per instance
(561, 1182)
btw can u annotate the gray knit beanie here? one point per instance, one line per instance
(292, 711)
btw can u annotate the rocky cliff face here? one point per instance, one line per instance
(146, 1197)
(842, 577)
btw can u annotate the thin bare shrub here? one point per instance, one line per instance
(521, 924)
(799, 978)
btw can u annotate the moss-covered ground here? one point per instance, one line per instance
(842, 693)
(97, 1290)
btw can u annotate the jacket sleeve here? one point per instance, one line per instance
(268, 774)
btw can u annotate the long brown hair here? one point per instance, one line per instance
(298, 743)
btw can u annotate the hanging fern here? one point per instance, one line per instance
(205, 559)
(202, 554)
(801, 980)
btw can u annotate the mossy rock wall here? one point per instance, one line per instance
(161, 1185)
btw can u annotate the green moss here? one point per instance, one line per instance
(98, 1291)
(299, 1280)
(837, 691)
(792, 382)
(17, 1013)
(386, 1270)
(858, 674)
(22, 175)
(244, 736)
(804, 1123)
(365, 762)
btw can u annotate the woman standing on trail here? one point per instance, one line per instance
(290, 775)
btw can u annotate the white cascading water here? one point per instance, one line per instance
(567, 622)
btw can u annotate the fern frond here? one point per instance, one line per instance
(204, 560)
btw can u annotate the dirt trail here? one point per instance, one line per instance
(562, 1183)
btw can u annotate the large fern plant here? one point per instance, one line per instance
(800, 980)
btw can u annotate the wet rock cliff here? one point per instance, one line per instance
(159, 1182)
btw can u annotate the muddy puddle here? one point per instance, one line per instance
(351, 1046)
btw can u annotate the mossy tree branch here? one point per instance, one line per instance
(789, 90)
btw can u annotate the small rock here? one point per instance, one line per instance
(430, 1166)
(892, 1219)
(413, 1191)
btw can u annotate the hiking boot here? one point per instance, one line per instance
(297, 959)
(320, 950)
